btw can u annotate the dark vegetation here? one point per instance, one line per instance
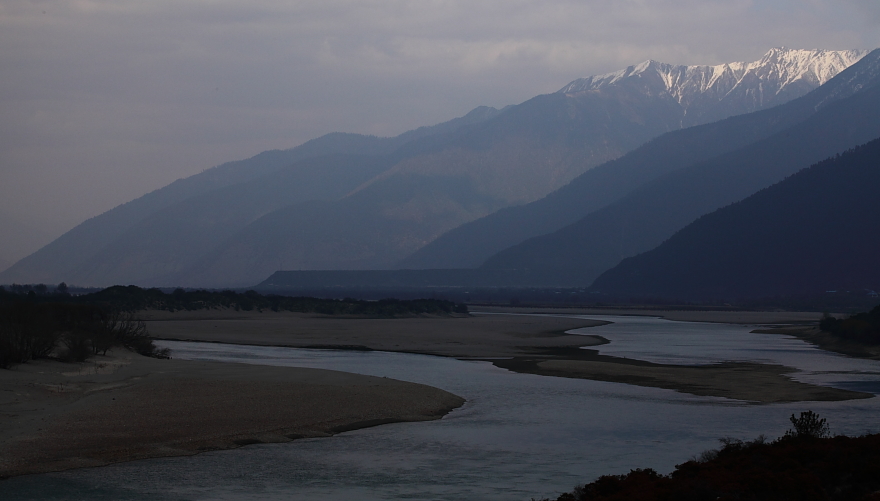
(136, 298)
(38, 323)
(55, 326)
(805, 464)
(862, 327)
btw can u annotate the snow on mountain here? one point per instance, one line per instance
(780, 75)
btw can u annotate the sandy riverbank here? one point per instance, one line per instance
(56, 416)
(522, 343)
(825, 340)
(459, 337)
(683, 315)
(749, 381)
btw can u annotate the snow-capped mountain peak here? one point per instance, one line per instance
(781, 74)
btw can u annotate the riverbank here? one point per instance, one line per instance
(122, 407)
(464, 337)
(720, 316)
(749, 381)
(522, 343)
(826, 341)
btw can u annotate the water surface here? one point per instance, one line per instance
(519, 435)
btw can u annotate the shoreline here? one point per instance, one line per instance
(825, 341)
(125, 407)
(678, 315)
(58, 416)
(752, 382)
(517, 342)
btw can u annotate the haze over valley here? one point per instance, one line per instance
(448, 250)
(491, 182)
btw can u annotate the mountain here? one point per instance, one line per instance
(519, 156)
(153, 237)
(709, 93)
(472, 244)
(653, 212)
(348, 201)
(815, 231)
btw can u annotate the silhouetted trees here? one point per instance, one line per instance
(861, 327)
(67, 331)
(135, 298)
(37, 323)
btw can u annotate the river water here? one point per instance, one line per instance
(519, 436)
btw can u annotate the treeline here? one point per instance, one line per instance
(39, 322)
(68, 331)
(136, 298)
(805, 464)
(133, 298)
(862, 327)
(36, 322)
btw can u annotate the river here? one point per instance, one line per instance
(519, 436)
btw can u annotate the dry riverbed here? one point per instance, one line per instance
(56, 416)
(522, 343)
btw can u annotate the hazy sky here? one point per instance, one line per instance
(103, 101)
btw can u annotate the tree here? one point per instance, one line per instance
(808, 425)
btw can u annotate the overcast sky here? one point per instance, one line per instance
(103, 101)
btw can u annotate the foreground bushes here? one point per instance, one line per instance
(802, 465)
(72, 332)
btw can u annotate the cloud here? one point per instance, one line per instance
(104, 100)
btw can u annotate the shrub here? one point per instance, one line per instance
(27, 331)
(808, 425)
(30, 330)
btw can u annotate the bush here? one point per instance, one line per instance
(808, 425)
(862, 327)
(30, 330)
(27, 331)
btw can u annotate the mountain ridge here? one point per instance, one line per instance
(653, 212)
(816, 230)
(417, 186)
(776, 70)
(472, 244)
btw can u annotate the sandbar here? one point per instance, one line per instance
(694, 314)
(478, 336)
(749, 381)
(121, 407)
(536, 344)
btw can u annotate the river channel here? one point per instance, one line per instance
(519, 436)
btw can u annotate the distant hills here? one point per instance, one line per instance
(345, 201)
(816, 231)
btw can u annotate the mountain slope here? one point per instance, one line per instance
(169, 228)
(650, 214)
(518, 156)
(413, 188)
(471, 244)
(154, 250)
(709, 93)
(815, 231)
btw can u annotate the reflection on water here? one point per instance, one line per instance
(519, 436)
